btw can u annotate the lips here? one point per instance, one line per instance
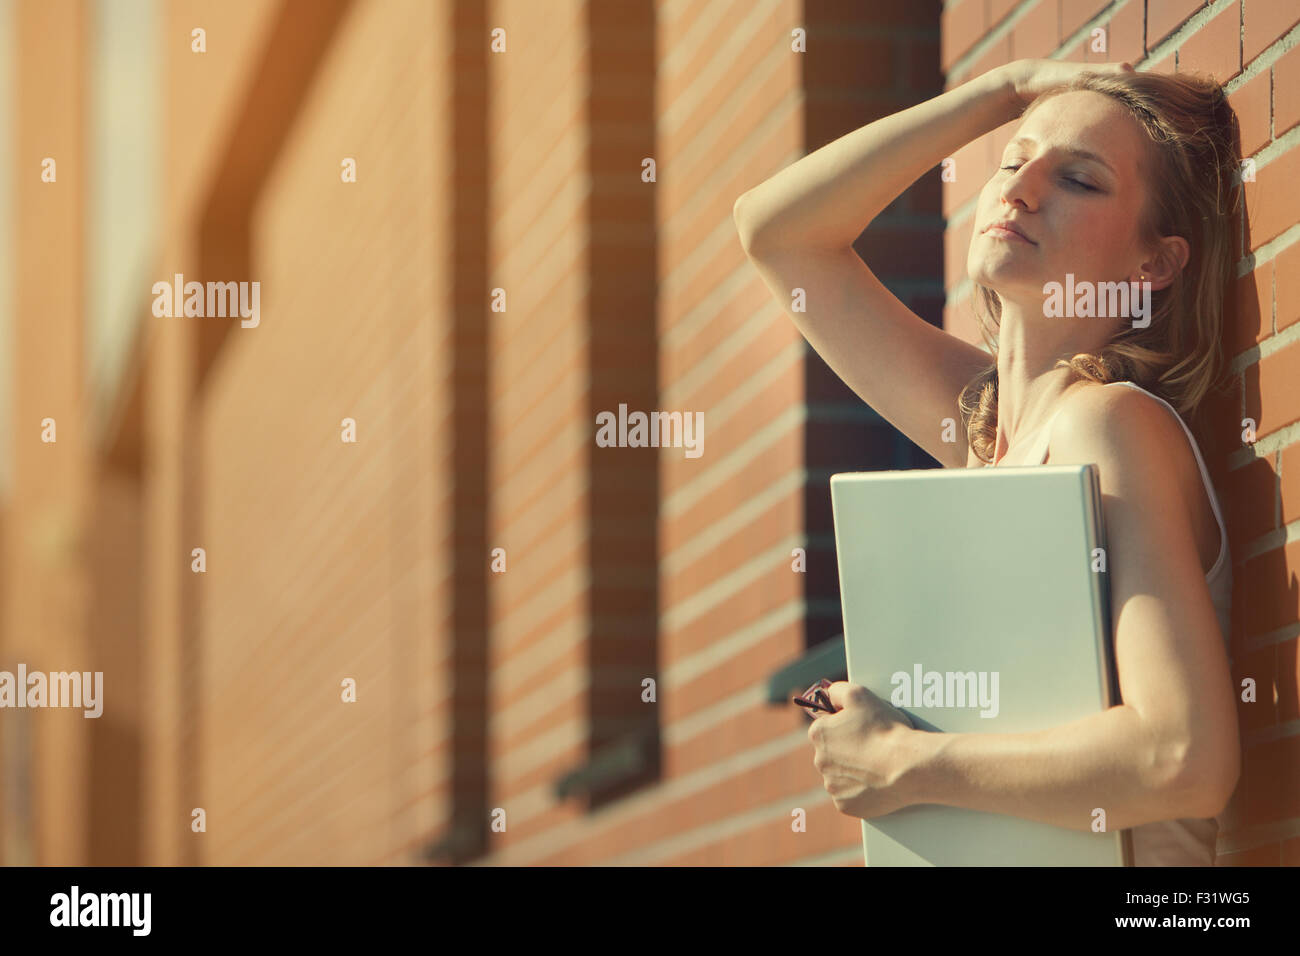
(1010, 227)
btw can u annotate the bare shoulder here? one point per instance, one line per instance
(1122, 427)
(1142, 455)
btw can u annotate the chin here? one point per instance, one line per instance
(1004, 278)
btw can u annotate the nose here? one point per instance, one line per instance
(1020, 188)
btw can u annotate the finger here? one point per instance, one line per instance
(839, 693)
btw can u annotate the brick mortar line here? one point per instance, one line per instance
(699, 661)
(724, 469)
(715, 832)
(1270, 638)
(626, 813)
(1261, 350)
(1267, 253)
(1105, 15)
(718, 532)
(1264, 60)
(704, 371)
(717, 593)
(1267, 735)
(991, 37)
(1175, 40)
(829, 858)
(1275, 539)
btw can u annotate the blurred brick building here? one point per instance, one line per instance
(540, 230)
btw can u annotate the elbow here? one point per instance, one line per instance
(735, 207)
(1219, 780)
(744, 228)
(748, 225)
(765, 229)
(1201, 782)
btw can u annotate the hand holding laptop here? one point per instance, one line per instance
(859, 754)
(816, 701)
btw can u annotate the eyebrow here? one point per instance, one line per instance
(1077, 153)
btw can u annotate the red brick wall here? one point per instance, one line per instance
(1243, 46)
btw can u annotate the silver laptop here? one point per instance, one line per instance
(970, 598)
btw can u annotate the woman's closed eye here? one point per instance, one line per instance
(1067, 179)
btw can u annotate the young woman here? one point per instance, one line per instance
(1112, 176)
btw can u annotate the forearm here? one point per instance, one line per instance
(1057, 776)
(831, 195)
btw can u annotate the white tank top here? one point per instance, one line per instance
(1185, 842)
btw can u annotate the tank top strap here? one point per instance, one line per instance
(1044, 439)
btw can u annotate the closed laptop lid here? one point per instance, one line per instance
(977, 601)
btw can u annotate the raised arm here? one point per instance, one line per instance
(798, 229)
(826, 199)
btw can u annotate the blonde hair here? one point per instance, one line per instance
(1193, 191)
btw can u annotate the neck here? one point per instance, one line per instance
(1029, 383)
